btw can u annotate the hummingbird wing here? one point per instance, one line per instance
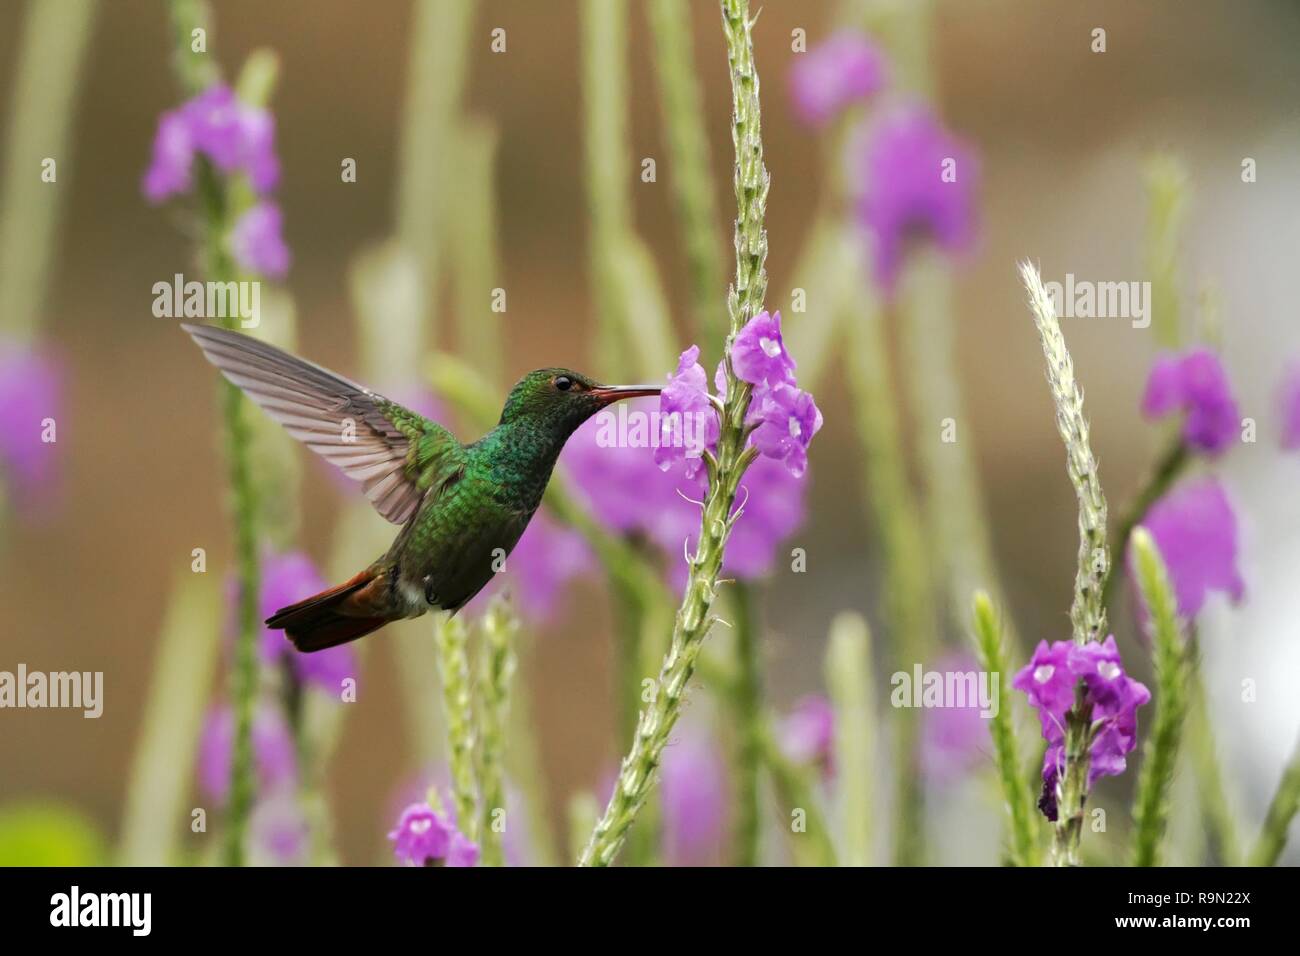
(394, 452)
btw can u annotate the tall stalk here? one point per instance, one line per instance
(694, 618)
(1281, 811)
(452, 641)
(1087, 610)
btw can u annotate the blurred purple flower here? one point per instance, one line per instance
(920, 185)
(787, 419)
(30, 393)
(807, 733)
(758, 354)
(683, 405)
(274, 754)
(844, 68)
(1289, 400)
(279, 831)
(1195, 383)
(256, 241)
(694, 798)
(1196, 530)
(288, 578)
(426, 837)
(954, 739)
(233, 136)
(1049, 679)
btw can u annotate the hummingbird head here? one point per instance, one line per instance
(562, 399)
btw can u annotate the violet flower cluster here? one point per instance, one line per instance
(916, 181)
(1111, 697)
(30, 395)
(425, 836)
(236, 139)
(1195, 384)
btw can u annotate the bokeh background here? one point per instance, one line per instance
(1062, 135)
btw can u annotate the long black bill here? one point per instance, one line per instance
(612, 393)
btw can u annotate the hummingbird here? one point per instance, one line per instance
(461, 508)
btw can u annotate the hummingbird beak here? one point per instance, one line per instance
(612, 393)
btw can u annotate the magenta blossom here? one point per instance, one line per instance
(257, 242)
(274, 754)
(807, 733)
(1289, 400)
(426, 837)
(787, 419)
(845, 68)
(694, 796)
(30, 407)
(1196, 531)
(1049, 681)
(234, 137)
(1195, 383)
(688, 424)
(954, 738)
(758, 355)
(921, 183)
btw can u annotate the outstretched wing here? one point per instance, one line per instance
(394, 452)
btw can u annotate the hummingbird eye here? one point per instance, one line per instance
(563, 383)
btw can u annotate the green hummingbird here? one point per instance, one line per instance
(461, 507)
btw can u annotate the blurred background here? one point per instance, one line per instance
(1062, 135)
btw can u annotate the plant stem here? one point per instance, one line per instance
(1220, 826)
(451, 639)
(1151, 804)
(688, 149)
(50, 60)
(1281, 810)
(795, 792)
(848, 675)
(1023, 850)
(694, 619)
(1087, 610)
(1166, 185)
(908, 607)
(747, 703)
(500, 628)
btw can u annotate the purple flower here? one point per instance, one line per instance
(758, 355)
(274, 754)
(844, 68)
(921, 184)
(1049, 681)
(1196, 531)
(807, 733)
(787, 419)
(426, 837)
(1195, 383)
(257, 243)
(233, 136)
(30, 394)
(1289, 399)
(953, 738)
(694, 797)
(688, 424)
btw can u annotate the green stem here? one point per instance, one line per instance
(1171, 464)
(1023, 850)
(812, 846)
(499, 627)
(452, 639)
(1220, 825)
(50, 60)
(908, 607)
(1151, 804)
(725, 470)
(1281, 811)
(746, 701)
(688, 150)
(848, 676)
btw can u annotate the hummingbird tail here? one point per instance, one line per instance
(336, 616)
